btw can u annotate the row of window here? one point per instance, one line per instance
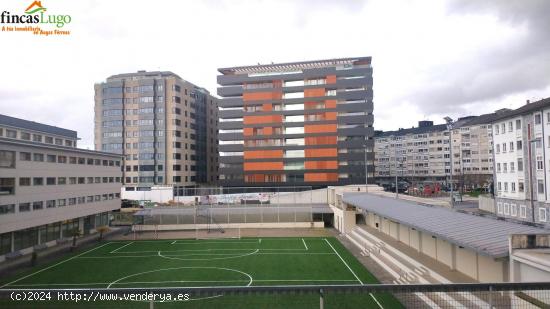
(519, 146)
(38, 205)
(512, 167)
(510, 209)
(39, 138)
(8, 160)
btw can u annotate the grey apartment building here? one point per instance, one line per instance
(164, 127)
(49, 187)
(422, 154)
(300, 123)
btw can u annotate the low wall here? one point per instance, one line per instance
(270, 225)
(487, 203)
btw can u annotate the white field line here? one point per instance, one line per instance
(200, 250)
(205, 254)
(372, 296)
(174, 242)
(346, 264)
(212, 242)
(52, 266)
(181, 281)
(121, 247)
(305, 244)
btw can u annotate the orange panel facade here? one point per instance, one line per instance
(331, 79)
(330, 103)
(263, 166)
(313, 177)
(319, 128)
(259, 96)
(321, 152)
(315, 92)
(262, 119)
(261, 154)
(321, 165)
(321, 140)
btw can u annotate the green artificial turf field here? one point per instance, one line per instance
(205, 263)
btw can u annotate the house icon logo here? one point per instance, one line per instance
(35, 7)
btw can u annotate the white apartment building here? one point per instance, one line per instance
(522, 163)
(48, 187)
(423, 153)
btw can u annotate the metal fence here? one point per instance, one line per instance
(478, 295)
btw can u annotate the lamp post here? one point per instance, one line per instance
(531, 186)
(450, 123)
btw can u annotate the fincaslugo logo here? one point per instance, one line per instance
(36, 16)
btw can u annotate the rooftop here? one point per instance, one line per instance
(525, 109)
(143, 74)
(291, 66)
(484, 235)
(35, 126)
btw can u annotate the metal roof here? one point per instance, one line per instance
(35, 126)
(235, 209)
(289, 66)
(484, 235)
(525, 109)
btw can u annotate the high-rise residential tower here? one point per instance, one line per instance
(164, 126)
(301, 123)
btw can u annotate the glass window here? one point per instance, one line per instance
(7, 159)
(24, 207)
(37, 138)
(11, 133)
(50, 181)
(37, 205)
(7, 186)
(49, 139)
(51, 158)
(7, 209)
(24, 181)
(61, 180)
(38, 157)
(50, 204)
(294, 130)
(25, 156)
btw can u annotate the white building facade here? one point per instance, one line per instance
(48, 187)
(522, 163)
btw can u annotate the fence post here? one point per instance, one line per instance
(321, 299)
(151, 304)
(490, 297)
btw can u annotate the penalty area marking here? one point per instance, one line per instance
(183, 267)
(304, 244)
(208, 259)
(372, 296)
(121, 247)
(52, 266)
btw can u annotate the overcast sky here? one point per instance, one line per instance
(430, 58)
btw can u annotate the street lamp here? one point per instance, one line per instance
(450, 124)
(531, 186)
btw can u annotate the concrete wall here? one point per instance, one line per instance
(468, 262)
(486, 203)
(319, 196)
(174, 227)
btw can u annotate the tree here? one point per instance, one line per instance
(74, 233)
(102, 229)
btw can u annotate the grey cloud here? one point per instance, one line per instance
(519, 66)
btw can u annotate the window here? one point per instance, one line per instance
(51, 158)
(499, 207)
(11, 133)
(513, 187)
(61, 180)
(72, 180)
(61, 202)
(50, 204)
(521, 187)
(506, 209)
(7, 186)
(38, 157)
(499, 186)
(523, 211)
(542, 215)
(24, 207)
(511, 146)
(520, 165)
(61, 159)
(540, 186)
(503, 147)
(505, 187)
(81, 180)
(519, 145)
(537, 118)
(37, 138)
(37, 205)
(7, 209)
(37, 181)
(539, 163)
(7, 159)
(512, 167)
(498, 167)
(24, 181)
(518, 124)
(513, 210)
(498, 148)
(496, 129)
(503, 128)
(25, 156)
(49, 139)
(72, 201)
(50, 181)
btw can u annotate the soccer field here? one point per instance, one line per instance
(214, 262)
